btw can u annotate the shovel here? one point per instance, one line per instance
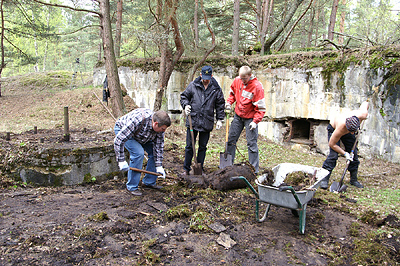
(225, 159)
(338, 186)
(196, 166)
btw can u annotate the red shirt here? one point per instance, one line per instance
(250, 102)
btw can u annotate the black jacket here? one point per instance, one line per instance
(203, 103)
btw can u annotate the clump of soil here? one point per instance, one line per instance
(298, 180)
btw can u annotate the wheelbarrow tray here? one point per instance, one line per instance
(286, 196)
(273, 195)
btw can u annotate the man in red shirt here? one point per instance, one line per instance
(248, 93)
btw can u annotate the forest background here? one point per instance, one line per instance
(75, 35)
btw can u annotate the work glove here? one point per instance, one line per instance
(252, 125)
(160, 170)
(348, 156)
(218, 125)
(228, 107)
(123, 166)
(188, 108)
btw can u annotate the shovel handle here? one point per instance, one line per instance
(227, 127)
(193, 142)
(149, 172)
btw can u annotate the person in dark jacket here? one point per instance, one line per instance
(202, 99)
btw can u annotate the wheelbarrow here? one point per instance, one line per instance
(286, 196)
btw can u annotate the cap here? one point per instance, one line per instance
(206, 72)
(352, 123)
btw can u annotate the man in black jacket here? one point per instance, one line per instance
(199, 100)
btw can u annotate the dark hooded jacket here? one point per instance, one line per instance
(203, 103)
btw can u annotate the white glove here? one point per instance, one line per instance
(218, 125)
(228, 107)
(123, 166)
(160, 170)
(188, 108)
(252, 125)
(349, 156)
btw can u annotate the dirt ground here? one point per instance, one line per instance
(102, 224)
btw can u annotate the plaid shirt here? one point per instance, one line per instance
(138, 125)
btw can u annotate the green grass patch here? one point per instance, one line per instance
(381, 201)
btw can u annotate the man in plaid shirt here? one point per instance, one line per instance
(138, 131)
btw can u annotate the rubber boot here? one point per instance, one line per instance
(353, 179)
(325, 181)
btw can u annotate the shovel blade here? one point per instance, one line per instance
(336, 187)
(225, 159)
(342, 188)
(197, 169)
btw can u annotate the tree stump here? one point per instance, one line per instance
(220, 180)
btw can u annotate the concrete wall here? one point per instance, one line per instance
(297, 93)
(68, 166)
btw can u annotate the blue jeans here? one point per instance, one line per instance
(235, 130)
(136, 155)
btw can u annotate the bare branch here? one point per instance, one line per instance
(68, 7)
(294, 25)
(15, 47)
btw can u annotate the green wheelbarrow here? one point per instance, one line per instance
(286, 196)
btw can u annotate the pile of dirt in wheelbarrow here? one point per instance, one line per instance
(297, 179)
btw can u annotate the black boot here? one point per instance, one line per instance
(353, 179)
(325, 181)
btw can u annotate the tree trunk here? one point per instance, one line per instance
(317, 20)
(332, 20)
(118, 27)
(311, 26)
(36, 67)
(117, 102)
(267, 9)
(196, 24)
(259, 19)
(342, 20)
(203, 59)
(278, 31)
(168, 57)
(294, 25)
(46, 46)
(236, 24)
(2, 42)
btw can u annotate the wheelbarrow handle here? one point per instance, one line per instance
(285, 188)
(291, 189)
(247, 183)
